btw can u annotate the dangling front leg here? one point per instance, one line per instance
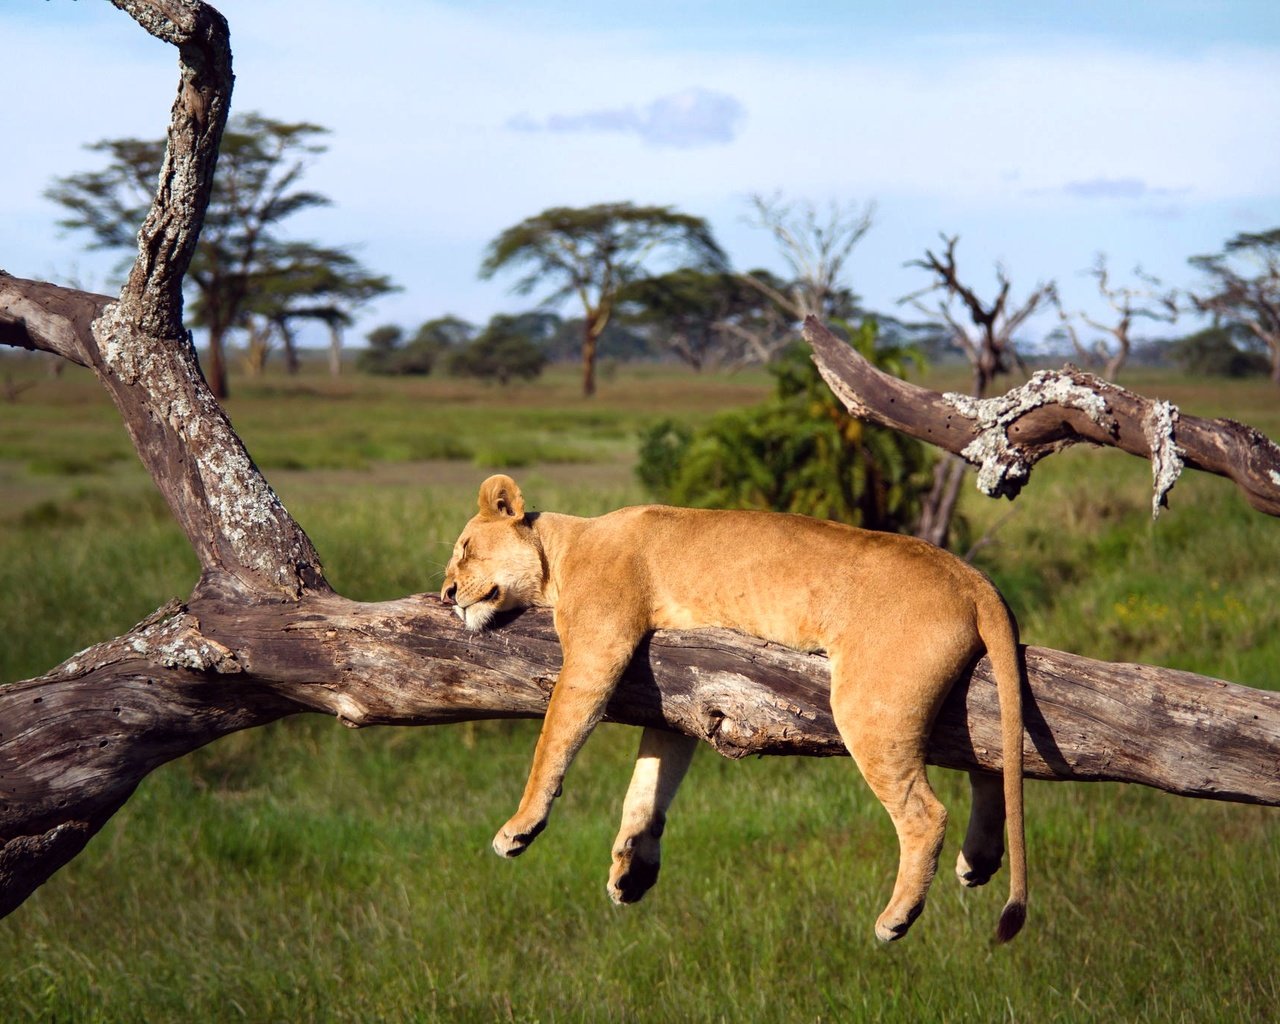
(587, 679)
(637, 852)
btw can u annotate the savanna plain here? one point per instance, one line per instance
(307, 872)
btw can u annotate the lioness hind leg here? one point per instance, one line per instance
(983, 847)
(890, 755)
(661, 764)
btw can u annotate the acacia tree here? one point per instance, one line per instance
(592, 252)
(1247, 297)
(1129, 302)
(263, 635)
(308, 283)
(241, 267)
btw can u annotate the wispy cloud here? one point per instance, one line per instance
(684, 120)
(1118, 188)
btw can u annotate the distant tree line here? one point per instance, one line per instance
(652, 282)
(649, 282)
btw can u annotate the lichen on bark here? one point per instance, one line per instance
(1166, 456)
(1003, 465)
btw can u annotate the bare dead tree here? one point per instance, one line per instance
(262, 634)
(987, 341)
(816, 245)
(1129, 302)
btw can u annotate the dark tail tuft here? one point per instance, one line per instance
(1012, 918)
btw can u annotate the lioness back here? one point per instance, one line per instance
(790, 579)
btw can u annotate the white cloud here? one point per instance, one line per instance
(1118, 188)
(683, 120)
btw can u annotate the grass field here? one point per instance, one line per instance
(306, 872)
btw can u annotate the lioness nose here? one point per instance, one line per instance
(450, 592)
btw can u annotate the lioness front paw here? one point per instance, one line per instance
(512, 840)
(893, 924)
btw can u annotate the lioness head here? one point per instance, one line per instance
(496, 564)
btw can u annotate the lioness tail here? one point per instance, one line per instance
(1000, 634)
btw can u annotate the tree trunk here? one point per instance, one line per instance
(259, 350)
(290, 343)
(590, 338)
(939, 506)
(1115, 362)
(216, 371)
(335, 351)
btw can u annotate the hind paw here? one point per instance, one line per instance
(978, 872)
(633, 882)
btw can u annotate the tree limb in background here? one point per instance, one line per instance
(1006, 436)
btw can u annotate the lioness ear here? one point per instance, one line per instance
(499, 496)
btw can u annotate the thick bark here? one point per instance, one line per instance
(1006, 436)
(76, 742)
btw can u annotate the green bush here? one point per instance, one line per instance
(799, 452)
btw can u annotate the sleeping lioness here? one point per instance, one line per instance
(899, 619)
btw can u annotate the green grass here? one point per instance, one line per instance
(308, 872)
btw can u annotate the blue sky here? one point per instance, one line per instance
(1041, 134)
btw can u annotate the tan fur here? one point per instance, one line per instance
(899, 619)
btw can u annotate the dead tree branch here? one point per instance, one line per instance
(1006, 436)
(76, 742)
